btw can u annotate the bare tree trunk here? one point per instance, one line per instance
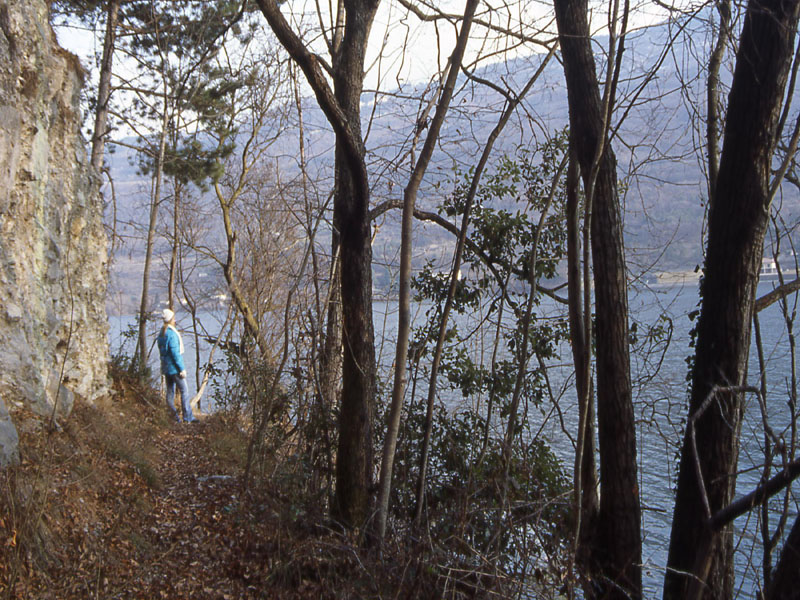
(354, 462)
(616, 549)
(404, 320)
(330, 360)
(737, 224)
(586, 502)
(104, 87)
(786, 576)
(328, 345)
(521, 357)
(460, 245)
(151, 232)
(712, 95)
(341, 106)
(251, 324)
(771, 536)
(173, 261)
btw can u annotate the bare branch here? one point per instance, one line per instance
(310, 65)
(777, 294)
(758, 496)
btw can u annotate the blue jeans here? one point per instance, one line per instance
(186, 408)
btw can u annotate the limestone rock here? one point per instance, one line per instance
(53, 326)
(9, 440)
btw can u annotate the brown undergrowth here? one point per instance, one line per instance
(121, 503)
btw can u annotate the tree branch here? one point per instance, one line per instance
(759, 495)
(424, 215)
(439, 15)
(310, 65)
(717, 521)
(779, 292)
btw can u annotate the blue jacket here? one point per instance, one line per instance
(169, 347)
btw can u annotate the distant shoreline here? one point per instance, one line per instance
(123, 305)
(673, 278)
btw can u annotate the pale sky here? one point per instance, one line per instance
(405, 49)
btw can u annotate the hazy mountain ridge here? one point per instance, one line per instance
(663, 184)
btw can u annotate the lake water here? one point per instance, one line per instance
(660, 405)
(662, 408)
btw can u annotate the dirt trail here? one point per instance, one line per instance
(198, 535)
(132, 507)
(120, 503)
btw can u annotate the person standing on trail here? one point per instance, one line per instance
(170, 347)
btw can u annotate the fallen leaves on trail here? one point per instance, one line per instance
(124, 505)
(93, 527)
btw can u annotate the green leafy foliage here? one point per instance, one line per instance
(507, 209)
(182, 27)
(176, 44)
(480, 501)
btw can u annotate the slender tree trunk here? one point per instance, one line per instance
(354, 463)
(251, 325)
(151, 234)
(586, 502)
(786, 576)
(460, 245)
(404, 318)
(354, 460)
(330, 359)
(712, 94)
(737, 224)
(616, 551)
(173, 261)
(327, 345)
(521, 357)
(104, 87)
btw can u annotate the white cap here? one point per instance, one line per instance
(168, 315)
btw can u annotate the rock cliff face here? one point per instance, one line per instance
(53, 323)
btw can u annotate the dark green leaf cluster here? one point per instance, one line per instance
(432, 285)
(82, 10)
(468, 468)
(464, 502)
(180, 27)
(497, 272)
(175, 45)
(507, 210)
